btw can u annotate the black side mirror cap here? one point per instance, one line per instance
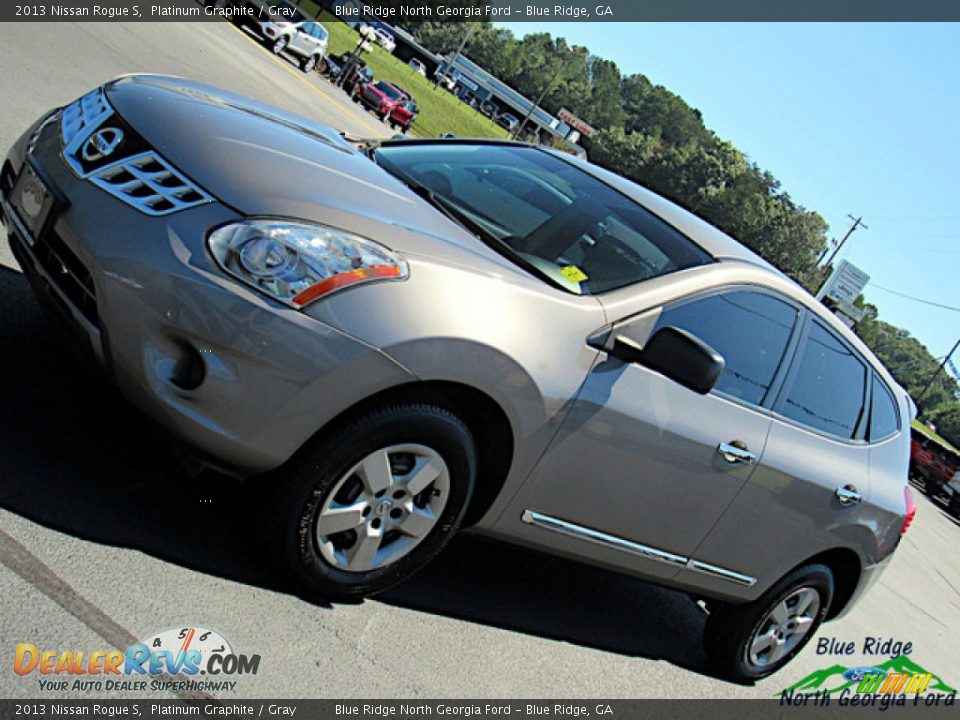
(677, 354)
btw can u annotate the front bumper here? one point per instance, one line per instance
(241, 380)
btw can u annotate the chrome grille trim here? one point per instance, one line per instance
(149, 184)
(145, 181)
(78, 120)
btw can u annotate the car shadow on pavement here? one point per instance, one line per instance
(521, 590)
(76, 458)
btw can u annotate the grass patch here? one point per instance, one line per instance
(917, 425)
(440, 111)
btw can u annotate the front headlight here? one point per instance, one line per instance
(297, 263)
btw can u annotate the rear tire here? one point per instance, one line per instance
(279, 45)
(400, 477)
(751, 641)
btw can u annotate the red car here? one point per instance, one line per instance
(403, 114)
(930, 463)
(379, 96)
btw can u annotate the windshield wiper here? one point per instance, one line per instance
(453, 212)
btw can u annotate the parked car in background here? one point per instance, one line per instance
(403, 114)
(931, 464)
(418, 66)
(403, 338)
(950, 494)
(386, 40)
(289, 30)
(347, 70)
(307, 40)
(380, 96)
(507, 120)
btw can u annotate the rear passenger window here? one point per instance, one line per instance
(749, 329)
(884, 417)
(827, 391)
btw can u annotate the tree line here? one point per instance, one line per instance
(651, 135)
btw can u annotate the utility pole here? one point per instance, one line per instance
(857, 222)
(523, 123)
(453, 59)
(946, 359)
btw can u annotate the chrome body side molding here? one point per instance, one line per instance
(564, 527)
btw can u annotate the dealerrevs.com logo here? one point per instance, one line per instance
(170, 660)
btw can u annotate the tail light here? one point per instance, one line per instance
(911, 509)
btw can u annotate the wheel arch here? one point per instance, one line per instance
(487, 421)
(847, 569)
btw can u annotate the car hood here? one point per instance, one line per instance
(263, 161)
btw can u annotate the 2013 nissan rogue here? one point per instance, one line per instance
(400, 339)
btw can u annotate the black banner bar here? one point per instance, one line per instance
(396, 11)
(933, 706)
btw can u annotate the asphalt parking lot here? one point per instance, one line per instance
(105, 540)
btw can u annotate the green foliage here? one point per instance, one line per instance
(912, 365)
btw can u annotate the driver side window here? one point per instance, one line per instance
(749, 329)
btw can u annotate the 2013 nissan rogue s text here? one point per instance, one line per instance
(400, 339)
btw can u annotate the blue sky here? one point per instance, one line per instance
(860, 119)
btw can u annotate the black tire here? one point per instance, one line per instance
(298, 491)
(307, 64)
(731, 628)
(279, 45)
(953, 508)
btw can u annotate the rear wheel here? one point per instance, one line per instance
(279, 45)
(366, 506)
(751, 641)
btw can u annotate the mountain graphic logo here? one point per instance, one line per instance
(836, 678)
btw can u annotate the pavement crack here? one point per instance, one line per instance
(34, 571)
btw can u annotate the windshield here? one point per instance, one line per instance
(389, 90)
(572, 229)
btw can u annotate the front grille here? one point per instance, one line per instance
(150, 184)
(69, 274)
(131, 171)
(80, 118)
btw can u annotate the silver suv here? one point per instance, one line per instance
(284, 28)
(402, 339)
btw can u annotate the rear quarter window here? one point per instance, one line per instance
(827, 390)
(884, 415)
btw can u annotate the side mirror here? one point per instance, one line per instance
(673, 352)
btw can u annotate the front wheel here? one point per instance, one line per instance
(751, 641)
(366, 506)
(307, 64)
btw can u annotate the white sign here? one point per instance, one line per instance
(845, 283)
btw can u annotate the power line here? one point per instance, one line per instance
(916, 299)
(857, 222)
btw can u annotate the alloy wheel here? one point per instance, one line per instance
(382, 508)
(786, 625)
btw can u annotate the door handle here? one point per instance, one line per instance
(736, 452)
(848, 495)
